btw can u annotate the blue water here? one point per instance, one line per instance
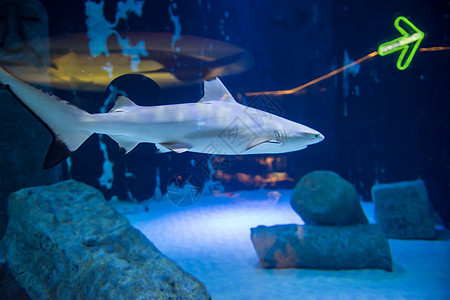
(381, 125)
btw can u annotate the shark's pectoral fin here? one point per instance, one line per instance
(274, 142)
(257, 143)
(176, 147)
(124, 145)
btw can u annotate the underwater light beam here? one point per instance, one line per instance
(434, 49)
(332, 73)
(401, 43)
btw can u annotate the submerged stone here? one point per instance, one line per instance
(9, 287)
(362, 246)
(403, 210)
(64, 242)
(325, 198)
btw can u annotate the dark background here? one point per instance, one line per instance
(392, 125)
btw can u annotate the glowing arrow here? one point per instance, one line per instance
(403, 43)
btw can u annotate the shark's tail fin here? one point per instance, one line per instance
(65, 121)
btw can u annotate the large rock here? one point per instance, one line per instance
(64, 242)
(9, 288)
(325, 198)
(23, 141)
(361, 246)
(403, 210)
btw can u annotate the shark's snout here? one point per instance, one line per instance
(308, 136)
(314, 138)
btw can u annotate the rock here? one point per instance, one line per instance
(9, 288)
(403, 210)
(360, 246)
(64, 242)
(24, 38)
(24, 141)
(325, 198)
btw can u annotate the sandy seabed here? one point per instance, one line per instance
(211, 240)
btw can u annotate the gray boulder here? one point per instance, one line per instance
(24, 141)
(403, 210)
(325, 198)
(9, 288)
(361, 246)
(64, 242)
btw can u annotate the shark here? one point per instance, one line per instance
(217, 124)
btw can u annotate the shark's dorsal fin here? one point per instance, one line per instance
(177, 147)
(122, 104)
(162, 149)
(214, 90)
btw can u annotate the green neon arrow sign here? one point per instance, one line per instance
(403, 43)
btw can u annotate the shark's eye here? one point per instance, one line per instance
(316, 135)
